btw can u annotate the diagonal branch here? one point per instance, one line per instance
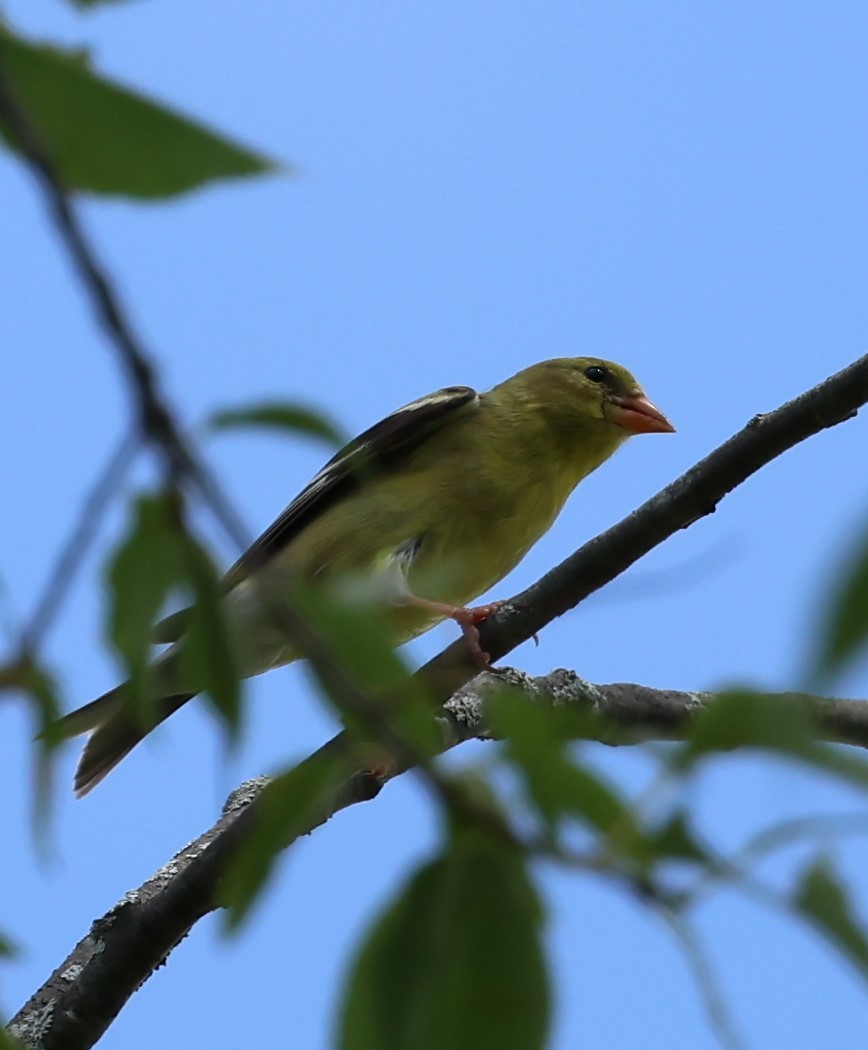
(74, 549)
(81, 998)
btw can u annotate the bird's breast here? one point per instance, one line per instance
(483, 534)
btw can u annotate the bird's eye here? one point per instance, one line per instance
(597, 374)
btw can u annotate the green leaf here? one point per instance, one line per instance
(356, 668)
(9, 1042)
(779, 723)
(141, 574)
(45, 694)
(283, 415)
(742, 718)
(355, 634)
(675, 839)
(158, 557)
(37, 682)
(846, 632)
(558, 786)
(456, 961)
(836, 762)
(106, 139)
(209, 647)
(822, 898)
(290, 805)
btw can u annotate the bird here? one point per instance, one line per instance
(420, 515)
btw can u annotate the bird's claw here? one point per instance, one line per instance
(468, 620)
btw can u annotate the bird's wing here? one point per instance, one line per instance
(381, 447)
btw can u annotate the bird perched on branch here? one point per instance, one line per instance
(422, 513)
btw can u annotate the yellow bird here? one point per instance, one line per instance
(420, 515)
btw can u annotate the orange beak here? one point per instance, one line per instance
(638, 415)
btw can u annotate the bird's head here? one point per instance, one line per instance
(583, 389)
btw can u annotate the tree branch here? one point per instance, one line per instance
(74, 549)
(122, 949)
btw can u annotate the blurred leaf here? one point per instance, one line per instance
(8, 949)
(159, 556)
(106, 139)
(209, 648)
(742, 718)
(585, 794)
(356, 635)
(676, 840)
(851, 768)
(800, 829)
(846, 632)
(822, 898)
(36, 681)
(560, 786)
(296, 419)
(290, 805)
(46, 694)
(44, 691)
(456, 961)
(363, 676)
(556, 784)
(477, 803)
(9, 1042)
(142, 572)
(783, 724)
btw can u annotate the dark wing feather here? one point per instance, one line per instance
(379, 448)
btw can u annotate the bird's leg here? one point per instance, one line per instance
(467, 620)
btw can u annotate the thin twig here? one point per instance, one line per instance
(74, 549)
(716, 1008)
(738, 868)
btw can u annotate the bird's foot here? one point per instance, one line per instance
(468, 620)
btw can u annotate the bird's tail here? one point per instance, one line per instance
(115, 728)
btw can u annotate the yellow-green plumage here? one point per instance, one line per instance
(452, 492)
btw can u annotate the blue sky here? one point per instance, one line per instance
(677, 186)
